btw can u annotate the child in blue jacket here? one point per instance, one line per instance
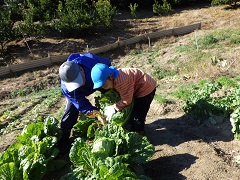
(76, 84)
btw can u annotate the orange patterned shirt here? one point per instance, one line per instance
(130, 83)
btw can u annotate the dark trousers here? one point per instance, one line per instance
(68, 120)
(140, 110)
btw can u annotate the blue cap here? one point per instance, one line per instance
(99, 74)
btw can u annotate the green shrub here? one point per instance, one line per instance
(133, 9)
(16, 9)
(220, 2)
(7, 30)
(160, 9)
(27, 26)
(105, 11)
(73, 17)
(43, 10)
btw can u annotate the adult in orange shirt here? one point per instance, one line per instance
(131, 83)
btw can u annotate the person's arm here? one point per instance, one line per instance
(83, 105)
(126, 94)
(79, 100)
(124, 84)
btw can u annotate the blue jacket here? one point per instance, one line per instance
(78, 96)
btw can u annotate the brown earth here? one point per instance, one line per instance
(184, 148)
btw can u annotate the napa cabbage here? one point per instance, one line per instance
(103, 147)
(109, 98)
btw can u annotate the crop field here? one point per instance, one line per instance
(192, 128)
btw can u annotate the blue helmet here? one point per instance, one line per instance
(100, 72)
(99, 75)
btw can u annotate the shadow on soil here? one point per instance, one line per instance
(174, 132)
(168, 167)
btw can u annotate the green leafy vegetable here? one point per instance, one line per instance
(139, 148)
(33, 155)
(110, 155)
(103, 147)
(85, 127)
(9, 171)
(89, 166)
(109, 98)
(235, 122)
(216, 103)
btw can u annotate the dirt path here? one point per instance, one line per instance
(186, 150)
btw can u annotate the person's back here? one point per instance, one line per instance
(131, 83)
(76, 84)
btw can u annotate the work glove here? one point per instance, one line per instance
(96, 114)
(108, 112)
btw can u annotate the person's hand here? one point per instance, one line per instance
(102, 120)
(108, 112)
(96, 114)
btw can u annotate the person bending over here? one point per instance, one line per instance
(131, 83)
(76, 85)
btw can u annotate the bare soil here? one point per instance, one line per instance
(184, 149)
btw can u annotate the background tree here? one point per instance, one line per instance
(8, 31)
(73, 17)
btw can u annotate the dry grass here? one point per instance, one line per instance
(212, 19)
